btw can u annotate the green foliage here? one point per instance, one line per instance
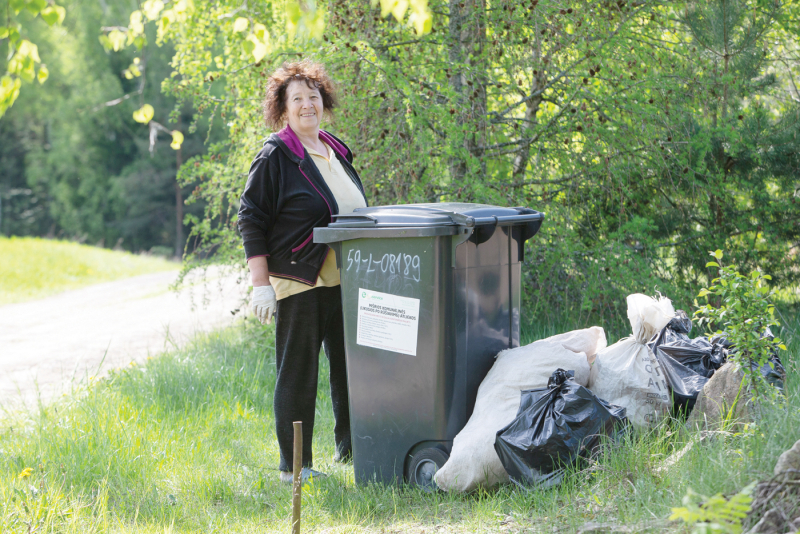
(646, 132)
(716, 514)
(742, 308)
(23, 55)
(73, 163)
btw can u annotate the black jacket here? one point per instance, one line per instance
(284, 200)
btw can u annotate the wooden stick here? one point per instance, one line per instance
(297, 488)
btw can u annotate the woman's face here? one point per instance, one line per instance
(303, 107)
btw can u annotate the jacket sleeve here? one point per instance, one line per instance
(257, 209)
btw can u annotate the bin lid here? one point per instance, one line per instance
(425, 220)
(428, 215)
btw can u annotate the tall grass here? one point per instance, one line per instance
(33, 267)
(185, 443)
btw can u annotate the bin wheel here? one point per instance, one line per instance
(424, 465)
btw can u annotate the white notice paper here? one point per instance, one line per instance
(387, 322)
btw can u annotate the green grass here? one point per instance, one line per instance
(33, 267)
(185, 443)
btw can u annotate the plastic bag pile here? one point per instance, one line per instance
(627, 374)
(473, 460)
(544, 406)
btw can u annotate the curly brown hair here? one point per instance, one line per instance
(314, 74)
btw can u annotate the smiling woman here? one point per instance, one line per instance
(300, 179)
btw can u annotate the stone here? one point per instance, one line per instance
(789, 460)
(717, 397)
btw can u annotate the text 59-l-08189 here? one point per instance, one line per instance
(402, 264)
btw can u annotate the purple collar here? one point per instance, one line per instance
(288, 136)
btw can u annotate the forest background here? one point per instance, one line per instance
(649, 132)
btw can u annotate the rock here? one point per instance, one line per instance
(773, 522)
(789, 460)
(718, 395)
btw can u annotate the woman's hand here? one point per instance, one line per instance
(263, 299)
(264, 303)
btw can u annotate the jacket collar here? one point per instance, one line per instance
(293, 145)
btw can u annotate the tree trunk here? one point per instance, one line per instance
(532, 107)
(178, 207)
(468, 80)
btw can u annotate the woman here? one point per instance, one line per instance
(301, 177)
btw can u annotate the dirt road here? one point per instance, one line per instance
(48, 344)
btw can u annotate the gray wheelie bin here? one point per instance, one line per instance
(430, 294)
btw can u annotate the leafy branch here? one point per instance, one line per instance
(23, 55)
(740, 307)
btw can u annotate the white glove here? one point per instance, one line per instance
(264, 303)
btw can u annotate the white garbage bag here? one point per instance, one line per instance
(627, 373)
(473, 460)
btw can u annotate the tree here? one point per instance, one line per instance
(648, 131)
(23, 54)
(73, 163)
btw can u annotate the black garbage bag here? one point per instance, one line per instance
(554, 427)
(699, 354)
(687, 363)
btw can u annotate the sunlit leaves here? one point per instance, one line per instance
(9, 91)
(240, 24)
(23, 61)
(28, 49)
(53, 14)
(144, 114)
(304, 21)
(183, 8)
(421, 17)
(257, 42)
(136, 25)
(133, 70)
(396, 7)
(252, 46)
(152, 9)
(177, 139)
(114, 40)
(167, 18)
(23, 55)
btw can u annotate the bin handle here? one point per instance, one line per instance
(504, 219)
(356, 221)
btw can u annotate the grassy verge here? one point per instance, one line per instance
(34, 268)
(185, 444)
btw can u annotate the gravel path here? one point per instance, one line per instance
(47, 345)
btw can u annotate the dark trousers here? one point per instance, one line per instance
(305, 322)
